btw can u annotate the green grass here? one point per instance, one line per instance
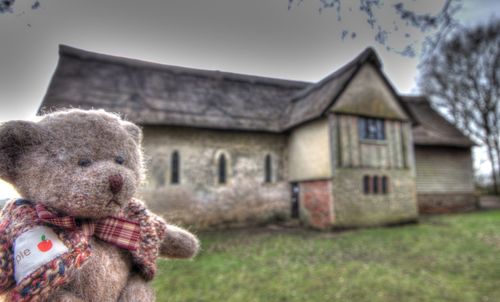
(444, 258)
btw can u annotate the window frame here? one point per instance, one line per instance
(375, 184)
(385, 184)
(175, 168)
(366, 184)
(222, 169)
(268, 169)
(372, 129)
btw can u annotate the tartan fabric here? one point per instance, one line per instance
(66, 222)
(118, 231)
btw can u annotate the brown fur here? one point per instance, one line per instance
(42, 161)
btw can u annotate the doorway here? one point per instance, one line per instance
(295, 200)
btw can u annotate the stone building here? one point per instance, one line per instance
(227, 149)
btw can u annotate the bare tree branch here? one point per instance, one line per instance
(462, 77)
(435, 24)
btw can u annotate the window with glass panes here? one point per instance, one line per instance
(371, 128)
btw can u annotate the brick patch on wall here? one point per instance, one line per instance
(317, 203)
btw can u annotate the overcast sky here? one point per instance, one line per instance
(261, 37)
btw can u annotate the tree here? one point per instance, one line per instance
(462, 76)
(434, 25)
(7, 6)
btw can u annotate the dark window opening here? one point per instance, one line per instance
(366, 184)
(222, 169)
(175, 179)
(375, 185)
(385, 184)
(295, 200)
(371, 128)
(268, 169)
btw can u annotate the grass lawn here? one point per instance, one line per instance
(444, 258)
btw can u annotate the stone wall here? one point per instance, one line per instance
(352, 207)
(199, 201)
(356, 158)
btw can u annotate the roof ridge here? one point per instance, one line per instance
(423, 102)
(363, 57)
(415, 98)
(65, 50)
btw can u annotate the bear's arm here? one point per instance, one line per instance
(175, 241)
(179, 243)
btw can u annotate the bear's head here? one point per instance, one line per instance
(86, 164)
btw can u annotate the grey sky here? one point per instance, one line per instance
(259, 37)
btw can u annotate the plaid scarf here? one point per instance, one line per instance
(115, 230)
(20, 215)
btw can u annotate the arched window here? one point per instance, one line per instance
(375, 185)
(222, 169)
(268, 169)
(366, 184)
(175, 169)
(385, 184)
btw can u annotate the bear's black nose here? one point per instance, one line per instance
(115, 183)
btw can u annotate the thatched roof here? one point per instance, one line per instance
(434, 129)
(315, 99)
(155, 94)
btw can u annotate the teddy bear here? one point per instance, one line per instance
(78, 233)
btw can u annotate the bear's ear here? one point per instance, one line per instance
(134, 131)
(16, 138)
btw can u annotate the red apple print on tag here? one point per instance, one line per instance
(45, 245)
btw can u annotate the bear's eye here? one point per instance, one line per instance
(119, 160)
(84, 162)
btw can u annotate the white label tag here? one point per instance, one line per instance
(35, 248)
